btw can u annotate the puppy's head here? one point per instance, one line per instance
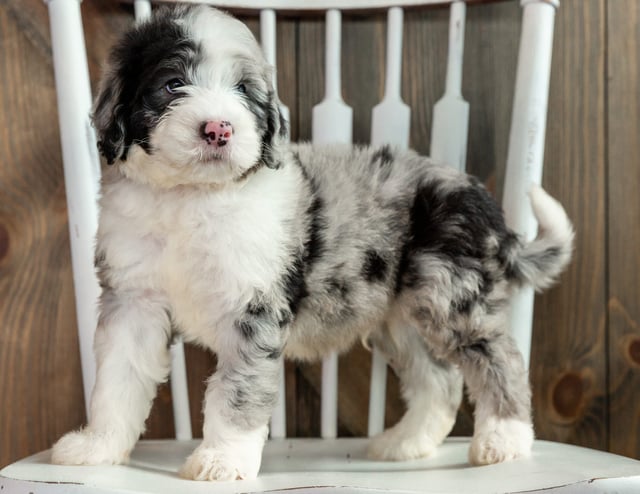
(188, 99)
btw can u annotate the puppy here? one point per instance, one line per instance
(212, 227)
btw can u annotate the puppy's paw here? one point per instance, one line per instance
(86, 447)
(393, 445)
(500, 440)
(211, 463)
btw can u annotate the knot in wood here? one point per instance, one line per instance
(568, 395)
(633, 350)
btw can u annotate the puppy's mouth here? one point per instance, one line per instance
(208, 154)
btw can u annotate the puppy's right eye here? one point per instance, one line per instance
(172, 85)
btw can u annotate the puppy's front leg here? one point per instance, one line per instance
(131, 347)
(239, 400)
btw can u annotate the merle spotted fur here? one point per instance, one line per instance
(299, 252)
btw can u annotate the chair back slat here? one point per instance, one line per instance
(450, 126)
(332, 119)
(81, 172)
(391, 118)
(321, 5)
(390, 122)
(278, 425)
(180, 391)
(377, 393)
(526, 146)
(142, 9)
(332, 122)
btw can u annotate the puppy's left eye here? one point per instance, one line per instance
(173, 85)
(241, 88)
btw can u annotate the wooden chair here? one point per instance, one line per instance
(330, 464)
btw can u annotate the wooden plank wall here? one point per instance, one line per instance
(586, 352)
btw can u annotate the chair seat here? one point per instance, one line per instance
(340, 465)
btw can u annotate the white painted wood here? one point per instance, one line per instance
(526, 145)
(81, 170)
(278, 426)
(390, 121)
(318, 5)
(329, 398)
(180, 391)
(142, 9)
(340, 465)
(450, 125)
(332, 122)
(332, 119)
(391, 117)
(377, 393)
(268, 42)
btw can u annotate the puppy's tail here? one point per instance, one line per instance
(540, 261)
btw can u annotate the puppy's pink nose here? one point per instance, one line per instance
(217, 132)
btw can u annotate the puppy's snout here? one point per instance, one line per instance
(216, 132)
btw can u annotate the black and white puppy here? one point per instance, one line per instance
(211, 226)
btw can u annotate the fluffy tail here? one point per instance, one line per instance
(539, 262)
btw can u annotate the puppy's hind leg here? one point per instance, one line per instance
(432, 390)
(131, 346)
(497, 383)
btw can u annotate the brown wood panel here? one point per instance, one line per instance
(40, 381)
(491, 52)
(568, 364)
(624, 225)
(39, 365)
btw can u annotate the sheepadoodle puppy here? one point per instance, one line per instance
(214, 228)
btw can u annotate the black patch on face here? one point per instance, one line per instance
(133, 95)
(375, 267)
(269, 120)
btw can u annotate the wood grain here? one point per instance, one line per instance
(624, 225)
(40, 381)
(568, 363)
(591, 165)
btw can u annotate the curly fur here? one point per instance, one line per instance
(269, 250)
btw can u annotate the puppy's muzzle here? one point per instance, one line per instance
(217, 133)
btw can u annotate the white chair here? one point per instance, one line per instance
(330, 464)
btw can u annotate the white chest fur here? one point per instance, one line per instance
(207, 251)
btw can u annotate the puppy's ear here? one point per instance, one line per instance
(276, 134)
(109, 120)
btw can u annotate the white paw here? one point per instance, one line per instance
(393, 445)
(499, 440)
(85, 447)
(211, 463)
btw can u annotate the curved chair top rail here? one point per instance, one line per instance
(323, 5)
